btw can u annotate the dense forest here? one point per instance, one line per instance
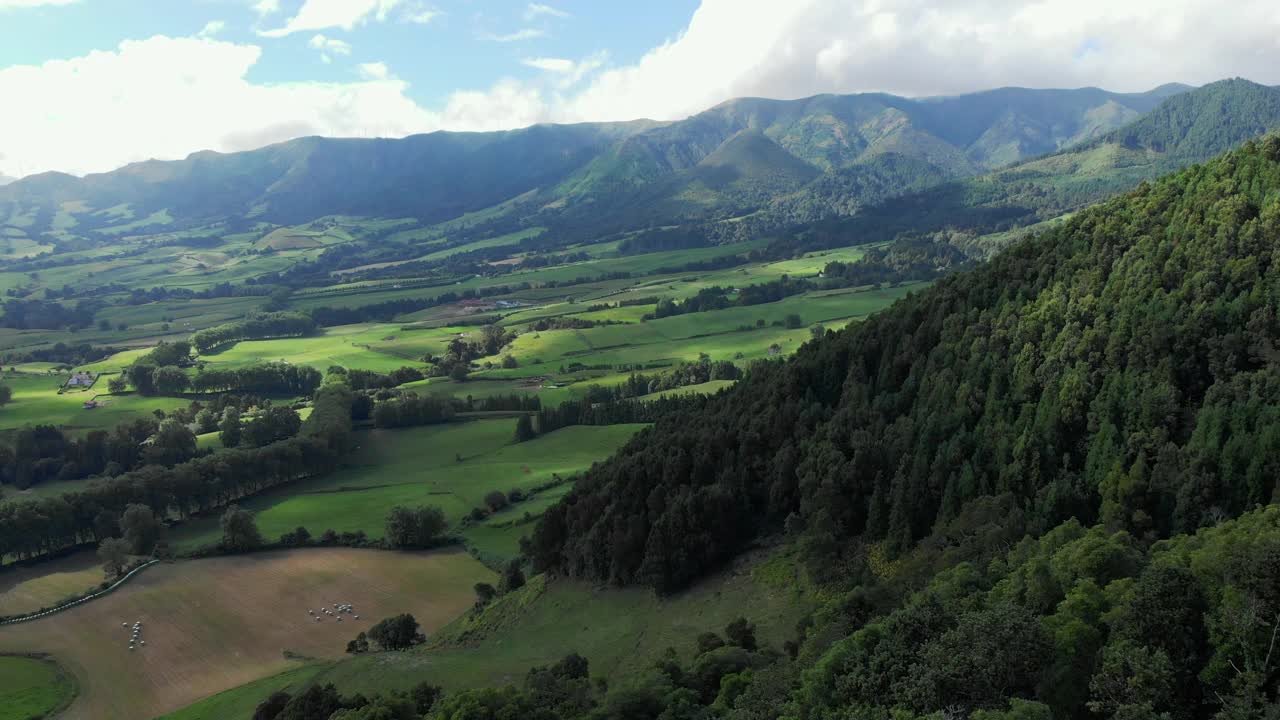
(1120, 369)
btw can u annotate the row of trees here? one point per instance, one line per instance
(255, 326)
(35, 528)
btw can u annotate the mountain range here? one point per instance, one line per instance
(873, 164)
(735, 157)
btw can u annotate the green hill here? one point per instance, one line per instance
(1185, 128)
(655, 171)
(1067, 373)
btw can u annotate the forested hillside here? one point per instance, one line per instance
(1121, 369)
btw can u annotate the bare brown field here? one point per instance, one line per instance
(214, 624)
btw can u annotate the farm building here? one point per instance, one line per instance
(80, 379)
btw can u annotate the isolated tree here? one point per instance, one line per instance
(741, 633)
(239, 530)
(509, 362)
(114, 554)
(271, 708)
(397, 633)
(485, 593)
(524, 429)
(229, 428)
(141, 529)
(793, 321)
(118, 384)
(495, 500)
(6, 394)
(512, 577)
(358, 646)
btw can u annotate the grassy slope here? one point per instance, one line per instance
(418, 466)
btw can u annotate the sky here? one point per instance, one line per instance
(90, 85)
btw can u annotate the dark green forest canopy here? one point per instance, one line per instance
(1121, 369)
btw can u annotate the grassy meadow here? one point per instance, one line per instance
(452, 466)
(32, 687)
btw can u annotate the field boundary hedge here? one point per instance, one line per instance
(68, 605)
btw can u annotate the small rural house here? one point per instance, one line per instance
(80, 379)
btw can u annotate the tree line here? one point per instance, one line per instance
(255, 326)
(35, 528)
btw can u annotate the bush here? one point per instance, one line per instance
(495, 500)
(397, 633)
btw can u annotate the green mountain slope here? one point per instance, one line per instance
(729, 160)
(1120, 369)
(1186, 128)
(874, 143)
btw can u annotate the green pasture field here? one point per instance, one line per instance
(36, 402)
(419, 466)
(347, 345)
(32, 688)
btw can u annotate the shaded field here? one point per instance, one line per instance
(32, 688)
(212, 625)
(420, 466)
(28, 589)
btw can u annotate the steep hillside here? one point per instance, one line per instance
(1120, 369)
(1186, 128)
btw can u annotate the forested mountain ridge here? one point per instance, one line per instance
(1188, 127)
(443, 175)
(1121, 369)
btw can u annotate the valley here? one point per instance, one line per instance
(850, 406)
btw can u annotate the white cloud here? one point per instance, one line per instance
(535, 10)
(420, 14)
(266, 7)
(570, 73)
(324, 14)
(328, 44)
(374, 71)
(329, 47)
(168, 97)
(734, 48)
(558, 65)
(521, 34)
(15, 4)
(211, 28)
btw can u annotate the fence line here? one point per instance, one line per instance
(85, 599)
